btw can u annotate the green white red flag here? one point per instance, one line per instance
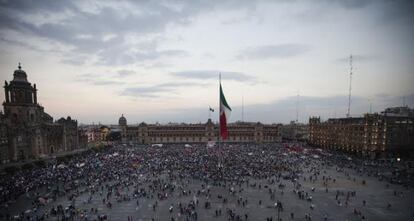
(225, 112)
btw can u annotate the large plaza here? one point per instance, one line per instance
(235, 182)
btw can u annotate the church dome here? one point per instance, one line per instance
(122, 121)
(19, 74)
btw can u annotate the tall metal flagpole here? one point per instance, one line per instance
(297, 107)
(219, 127)
(219, 164)
(350, 87)
(242, 107)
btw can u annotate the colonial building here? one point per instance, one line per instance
(388, 133)
(31, 132)
(197, 133)
(295, 131)
(96, 133)
(4, 142)
(83, 138)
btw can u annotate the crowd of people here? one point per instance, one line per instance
(189, 177)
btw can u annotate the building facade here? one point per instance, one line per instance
(295, 132)
(83, 138)
(96, 133)
(371, 135)
(31, 132)
(4, 142)
(196, 133)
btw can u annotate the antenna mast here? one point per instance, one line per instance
(242, 108)
(370, 106)
(350, 87)
(297, 107)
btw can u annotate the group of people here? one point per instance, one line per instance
(183, 174)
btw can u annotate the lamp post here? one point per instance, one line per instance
(278, 206)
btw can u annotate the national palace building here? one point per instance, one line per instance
(390, 132)
(26, 130)
(197, 133)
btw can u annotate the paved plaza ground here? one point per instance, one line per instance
(337, 193)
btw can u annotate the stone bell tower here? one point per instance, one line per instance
(23, 114)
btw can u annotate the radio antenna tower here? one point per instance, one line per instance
(242, 107)
(297, 107)
(350, 87)
(370, 105)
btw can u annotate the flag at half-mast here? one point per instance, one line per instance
(225, 111)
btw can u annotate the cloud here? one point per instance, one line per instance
(75, 59)
(97, 79)
(122, 54)
(115, 33)
(105, 78)
(148, 92)
(28, 45)
(213, 74)
(351, 4)
(125, 73)
(284, 110)
(157, 90)
(397, 12)
(273, 51)
(67, 22)
(102, 31)
(46, 5)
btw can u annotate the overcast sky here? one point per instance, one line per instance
(159, 60)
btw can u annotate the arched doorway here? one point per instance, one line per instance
(21, 155)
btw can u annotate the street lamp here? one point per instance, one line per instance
(278, 206)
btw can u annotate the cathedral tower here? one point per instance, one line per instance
(23, 114)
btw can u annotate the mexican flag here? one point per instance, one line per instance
(225, 111)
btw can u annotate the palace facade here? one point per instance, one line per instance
(197, 133)
(389, 133)
(295, 131)
(26, 130)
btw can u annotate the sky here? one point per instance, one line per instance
(159, 61)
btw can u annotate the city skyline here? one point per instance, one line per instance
(159, 61)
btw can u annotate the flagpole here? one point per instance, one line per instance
(219, 126)
(220, 160)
